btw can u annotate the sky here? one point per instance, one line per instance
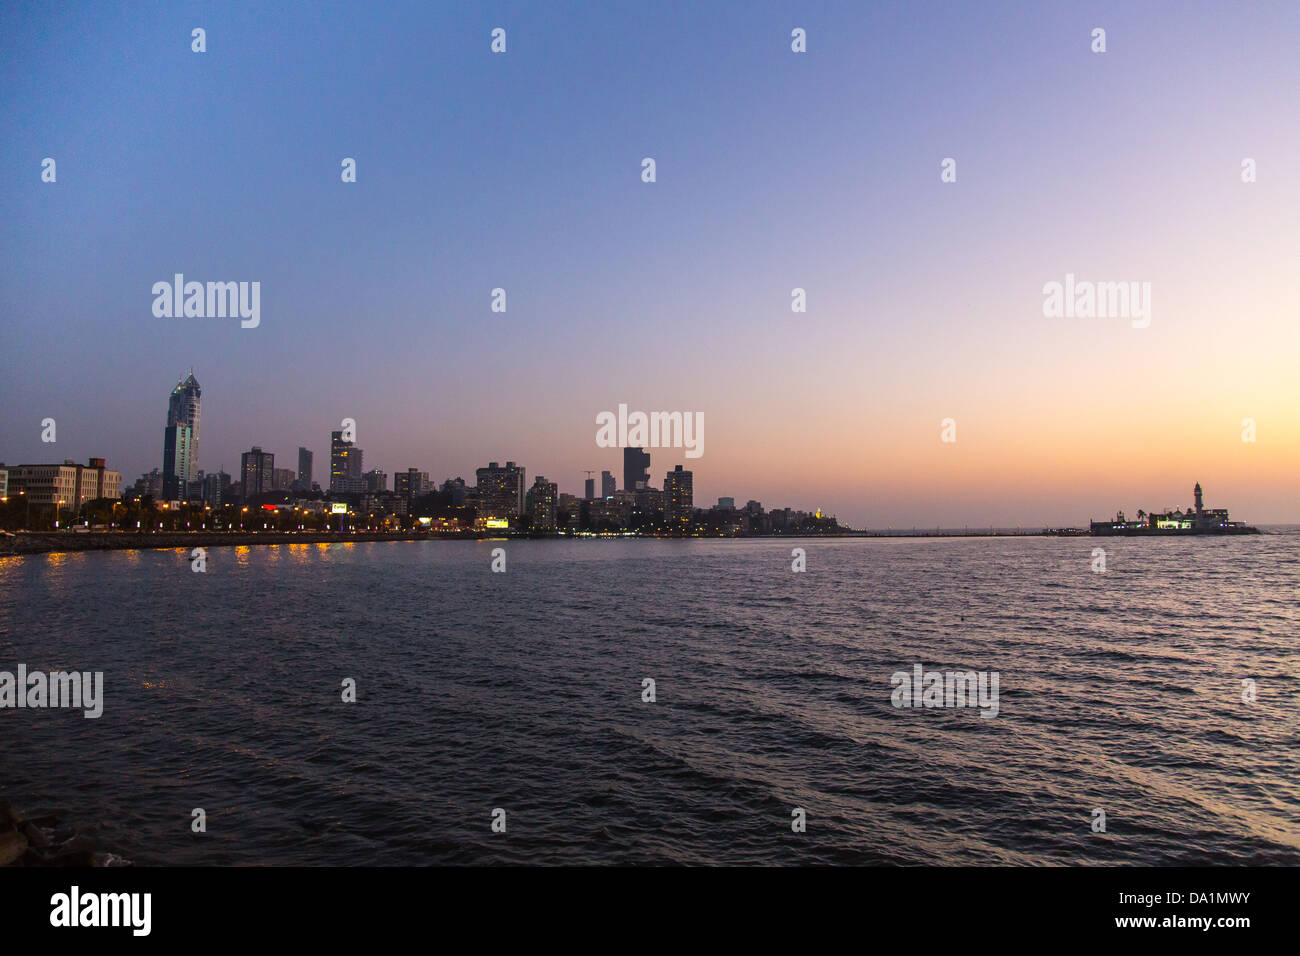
(775, 170)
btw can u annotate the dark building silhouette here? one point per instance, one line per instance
(256, 470)
(636, 468)
(177, 448)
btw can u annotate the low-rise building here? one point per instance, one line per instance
(68, 485)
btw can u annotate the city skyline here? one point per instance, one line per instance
(775, 171)
(185, 395)
(498, 490)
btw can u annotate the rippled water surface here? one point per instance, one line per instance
(1120, 691)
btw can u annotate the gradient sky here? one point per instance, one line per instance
(775, 170)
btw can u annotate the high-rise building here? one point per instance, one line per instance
(636, 468)
(607, 487)
(256, 469)
(647, 507)
(568, 511)
(345, 462)
(214, 488)
(607, 514)
(541, 504)
(181, 439)
(304, 468)
(178, 450)
(413, 483)
(455, 487)
(376, 481)
(150, 484)
(500, 490)
(590, 489)
(282, 479)
(679, 497)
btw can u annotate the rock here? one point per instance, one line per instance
(12, 846)
(78, 844)
(33, 833)
(71, 858)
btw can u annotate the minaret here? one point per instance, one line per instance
(1197, 492)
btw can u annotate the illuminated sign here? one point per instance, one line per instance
(339, 508)
(497, 523)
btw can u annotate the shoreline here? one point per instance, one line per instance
(46, 840)
(35, 543)
(25, 543)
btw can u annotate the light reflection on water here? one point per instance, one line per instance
(522, 690)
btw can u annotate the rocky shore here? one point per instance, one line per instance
(53, 543)
(45, 840)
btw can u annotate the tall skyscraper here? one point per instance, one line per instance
(636, 468)
(304, 467)
(590, 489)
(679, 495)
(181, 439)
(183, 408)
(607, 487)
(256, 470)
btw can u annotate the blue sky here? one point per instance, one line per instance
(775, 170)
